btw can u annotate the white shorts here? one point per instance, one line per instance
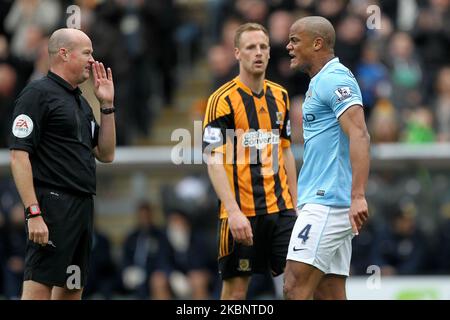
(322, 237)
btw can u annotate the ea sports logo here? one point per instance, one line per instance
(22, 126)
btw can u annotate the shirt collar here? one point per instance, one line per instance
(63, 83)
(249, 91)
(333, 60)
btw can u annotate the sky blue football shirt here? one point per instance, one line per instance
(326, 174)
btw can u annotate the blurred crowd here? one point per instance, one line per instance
(403, 68)
(402, 64)
(402, 61)
(134, 37)
(175, 257)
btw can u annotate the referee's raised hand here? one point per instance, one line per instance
(37, 230)
(103, 84)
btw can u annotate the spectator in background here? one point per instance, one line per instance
(380, 37)
(442, 104)
(102, 280)
(221, 61)
(187, 265)
(419, 126)
(406, 72)
(22, 68)
(383, 124)
(8, 79)
(373, 78)
(350, 33)
(15, 252)
(431, 35)
(41, 62)
(333, 10)
(194, 197)
(27, 22)
(8, 199)
(362, 248)
(443, 254)
(229, 28)
(401, 249)
(278, 70)
(252, 10)
(222, 65)
(143, 257)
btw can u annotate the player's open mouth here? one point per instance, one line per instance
(258, 63)
(293, 57)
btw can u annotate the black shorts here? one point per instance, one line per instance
(271, 236)
(69, 218)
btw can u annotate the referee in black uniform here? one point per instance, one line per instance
(54, 142)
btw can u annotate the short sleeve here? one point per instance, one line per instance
(286, 130)
(28, 120)
(218, 118)
(339, 90)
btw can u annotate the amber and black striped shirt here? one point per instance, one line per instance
(250, 131)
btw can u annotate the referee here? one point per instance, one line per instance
(53, 144)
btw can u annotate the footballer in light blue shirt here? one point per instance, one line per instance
(332, 205)
(326, 174)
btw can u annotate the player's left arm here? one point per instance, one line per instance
(353, 124)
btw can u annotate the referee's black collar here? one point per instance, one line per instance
(63, 83)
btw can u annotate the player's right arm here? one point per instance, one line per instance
(218, 119)
(25, 135)
(239, 224)
(23, 178)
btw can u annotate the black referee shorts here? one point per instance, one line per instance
(69, 218)
(271, 236)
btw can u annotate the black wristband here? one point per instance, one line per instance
(107, 110)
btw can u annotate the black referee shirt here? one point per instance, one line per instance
(56, 126)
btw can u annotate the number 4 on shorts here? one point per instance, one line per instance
(304, 233)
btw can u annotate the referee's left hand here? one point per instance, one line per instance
(103, 84)
(37, 230)
(358, 214)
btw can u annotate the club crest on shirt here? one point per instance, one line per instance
(22, 126)
(343, 93)
(244, 265)
(279, 117)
